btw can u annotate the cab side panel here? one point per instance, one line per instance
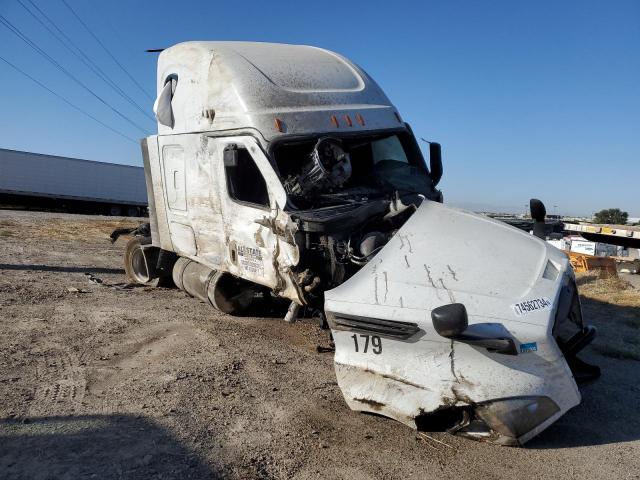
(188, 202)
(157, 204)
(176, 154)
(203, 203)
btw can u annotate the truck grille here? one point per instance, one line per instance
(389, 328)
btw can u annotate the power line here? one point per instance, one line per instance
(80, 55)
(34, 46)
(66, 101)
(106, 49)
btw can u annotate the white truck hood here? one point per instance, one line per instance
(445, 255)
(507, 279)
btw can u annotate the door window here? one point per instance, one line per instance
(245, 183)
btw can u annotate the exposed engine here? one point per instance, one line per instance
(348, 196)
(336, 246)
(329, 166)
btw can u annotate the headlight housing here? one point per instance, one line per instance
(514, 417)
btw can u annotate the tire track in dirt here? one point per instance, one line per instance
(62, 387)
(147, 349)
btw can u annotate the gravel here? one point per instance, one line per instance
(102, 382)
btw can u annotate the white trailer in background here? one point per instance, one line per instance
(285, 170)
(33, 179)
(578, 244)
(627, 236)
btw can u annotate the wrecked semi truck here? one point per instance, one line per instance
(284, 170)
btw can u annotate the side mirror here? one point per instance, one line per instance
(451, 321)
(230, 156)
(538, 212)
(435, 162)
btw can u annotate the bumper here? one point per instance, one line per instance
(458, 388)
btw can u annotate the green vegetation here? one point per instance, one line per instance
(613, 216)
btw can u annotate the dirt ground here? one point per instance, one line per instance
(100, 381)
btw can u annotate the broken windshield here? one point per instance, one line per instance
(322, 171)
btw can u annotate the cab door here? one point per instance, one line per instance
(250, 198)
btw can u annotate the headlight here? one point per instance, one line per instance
(550, 271)
(513, 417)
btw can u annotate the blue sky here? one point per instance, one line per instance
(527, 98)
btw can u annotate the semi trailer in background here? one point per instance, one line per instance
(33, 180)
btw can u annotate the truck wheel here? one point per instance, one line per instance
(139, 269)
(133, 212)
(115, 210)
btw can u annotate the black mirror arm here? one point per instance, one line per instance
(503, 345)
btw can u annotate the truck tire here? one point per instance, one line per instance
(133, 212)
(115, 210)
(139, 269)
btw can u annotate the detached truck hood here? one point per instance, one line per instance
(389, 358)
